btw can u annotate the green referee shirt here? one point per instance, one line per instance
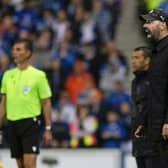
(24, 90)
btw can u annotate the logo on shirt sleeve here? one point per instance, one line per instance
(48, 90)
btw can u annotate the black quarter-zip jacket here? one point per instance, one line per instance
(140, 110)
(158, 77)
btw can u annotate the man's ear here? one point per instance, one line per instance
(163, 26)
(29, 54)
(147, 59)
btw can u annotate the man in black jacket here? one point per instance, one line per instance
(156, 27)
(141, 57)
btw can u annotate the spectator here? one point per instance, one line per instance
(118, 96)
(114, 54)
(97, 105)
(115, 8)
(66, 56)
(112, 132)
(47, 20)
(43, 50)
(60, 130)
(76, 23)
(103, 19)
(84, 95)
(125, 118)
(83, 130)
(54, 5)
(10, 33)
(68, 110)
(56, 79)
(76, 82)
(73, 6)
(60, 26)
(26, 17)
(88, 29)
(109, 74)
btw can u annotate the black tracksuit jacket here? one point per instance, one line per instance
(140, 110)
(157, 100)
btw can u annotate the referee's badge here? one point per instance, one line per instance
(34, 148)
(26, 89)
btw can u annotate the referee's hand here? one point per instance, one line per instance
(47, 137)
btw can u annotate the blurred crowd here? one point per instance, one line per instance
(75, 44)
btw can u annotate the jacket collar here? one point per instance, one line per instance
(140, 73)
(161, 44)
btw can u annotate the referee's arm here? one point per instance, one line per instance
(2, 109)
(46, 103)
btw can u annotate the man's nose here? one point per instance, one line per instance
(145, 25)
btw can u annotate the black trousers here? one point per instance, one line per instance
(149, 162)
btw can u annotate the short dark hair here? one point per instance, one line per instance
(146, 50)
(28, 44)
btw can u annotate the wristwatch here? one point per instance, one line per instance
(48, 128)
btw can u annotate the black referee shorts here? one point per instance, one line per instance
(24, 136)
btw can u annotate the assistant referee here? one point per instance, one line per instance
(25, 92)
